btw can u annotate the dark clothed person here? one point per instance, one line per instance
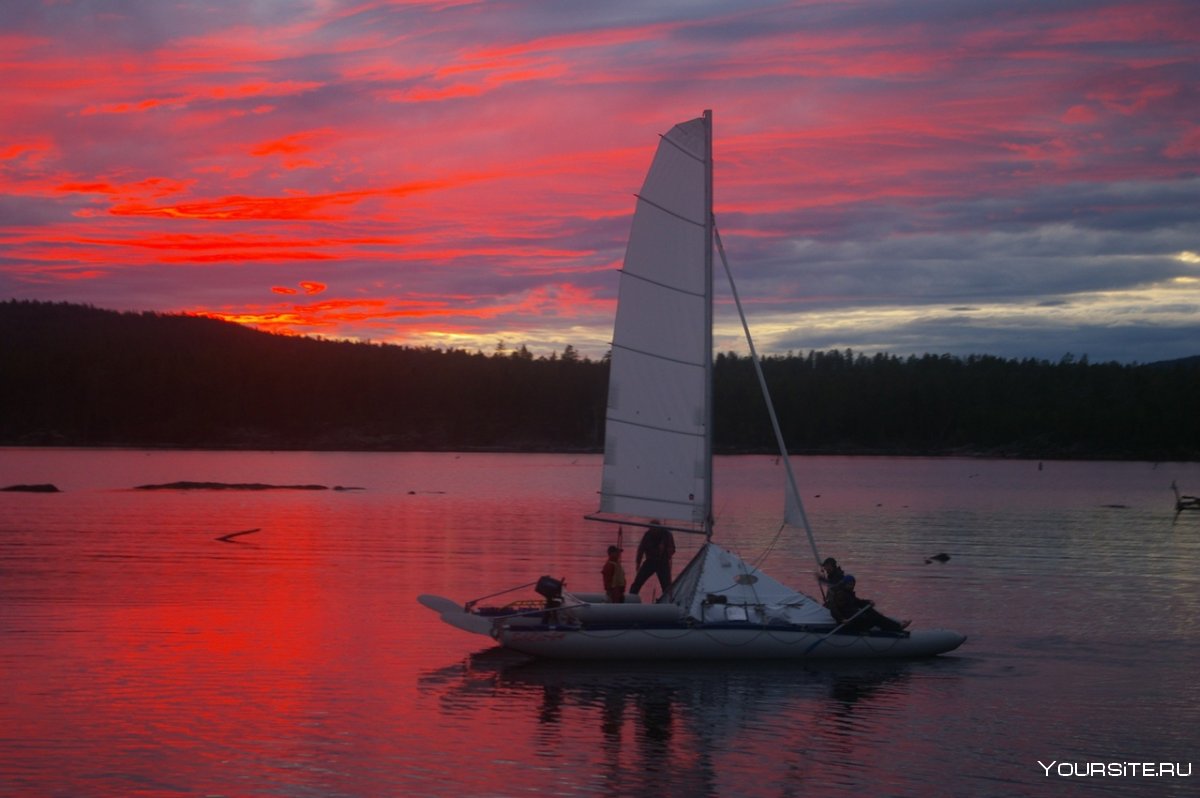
(830, 573)
(857, 614)
(654, 558)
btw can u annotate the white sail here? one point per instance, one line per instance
(718, 586)
(657, 451)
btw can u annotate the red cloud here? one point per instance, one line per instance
(449, 311)
(313, 207)
(151, 187)
(29, 151)
(288, 145)
(1187, 145)
(201, 93)
(307, 286)
(293, 144)
(1079, 115)
(301, 207)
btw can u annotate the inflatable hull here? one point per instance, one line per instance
(655, 632)
(700, 642)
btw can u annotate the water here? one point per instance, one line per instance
(141, 656)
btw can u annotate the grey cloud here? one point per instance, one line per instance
(962, 336)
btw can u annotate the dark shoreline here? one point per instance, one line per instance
(78, 376)
(1004, 453)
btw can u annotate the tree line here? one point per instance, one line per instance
(78, 375)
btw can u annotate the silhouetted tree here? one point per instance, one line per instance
(72, 374)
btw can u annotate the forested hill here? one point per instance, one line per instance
(76, 375)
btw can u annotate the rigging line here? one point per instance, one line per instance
(770, 547)
(649, 632)
(754, 565)
(751, 568)
(668, 211)
(833, 641)
(837, 628)
(762, 381)
(473, 602)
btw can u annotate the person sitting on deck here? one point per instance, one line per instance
(857, 614)
(830, 573)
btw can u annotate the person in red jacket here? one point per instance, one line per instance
(614, 576)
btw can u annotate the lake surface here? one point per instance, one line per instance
(141, 656)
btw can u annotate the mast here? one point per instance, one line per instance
(708, 327)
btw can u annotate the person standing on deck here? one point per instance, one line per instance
(614, 576)
(654, 555)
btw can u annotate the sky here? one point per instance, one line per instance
(1016, 178)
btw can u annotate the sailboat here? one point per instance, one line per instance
(658, 468)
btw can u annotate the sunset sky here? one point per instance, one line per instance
(1019, 178)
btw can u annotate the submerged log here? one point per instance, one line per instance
(230, 537)
(1183, 501)
(45, 488)
(227, 486)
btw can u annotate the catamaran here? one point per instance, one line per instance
(657, 469)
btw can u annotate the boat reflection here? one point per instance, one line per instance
(681, 728)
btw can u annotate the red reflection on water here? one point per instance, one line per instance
(142, 656)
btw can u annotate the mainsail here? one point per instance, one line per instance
(657, 452)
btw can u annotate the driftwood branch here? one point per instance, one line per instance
(230, 537)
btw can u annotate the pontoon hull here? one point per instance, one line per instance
(722, 643)
(649, 634)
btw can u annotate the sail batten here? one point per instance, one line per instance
(658, 357)
(678, 146)
(648, 499)
(652, 427)
(675, 288)
(678, 216)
